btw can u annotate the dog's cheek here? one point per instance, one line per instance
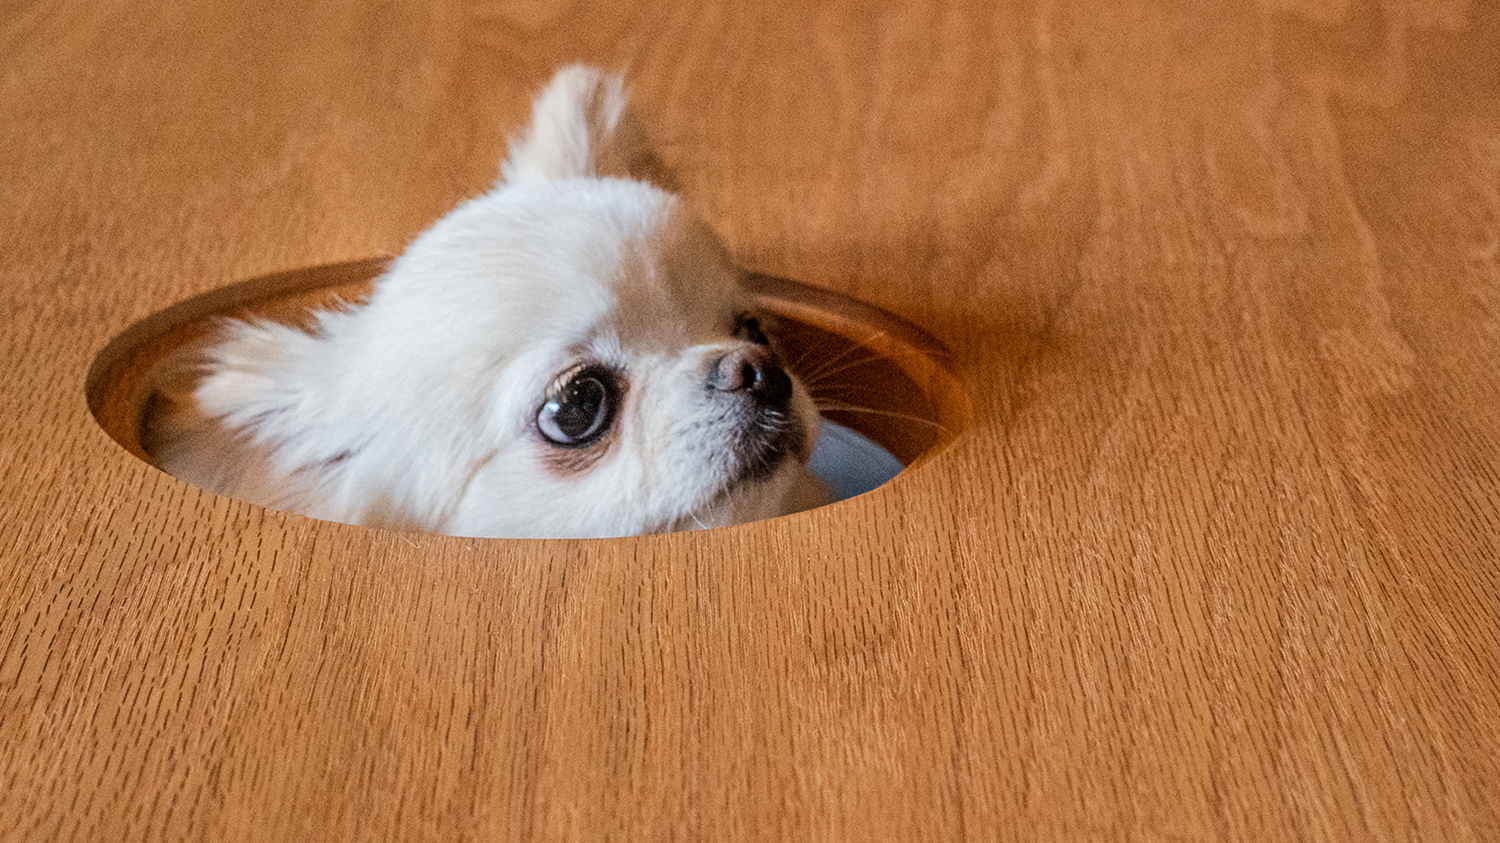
(809, 417)
(573, 463)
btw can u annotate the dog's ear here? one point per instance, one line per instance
(580, 126)
(258, 377)
(217, 408)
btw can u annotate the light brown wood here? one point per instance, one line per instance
(1217, 557)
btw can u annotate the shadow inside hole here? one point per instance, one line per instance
(870, 372)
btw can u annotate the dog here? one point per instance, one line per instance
(571, 354)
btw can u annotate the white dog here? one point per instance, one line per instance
(570, 354)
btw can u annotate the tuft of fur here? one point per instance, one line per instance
(418, 408)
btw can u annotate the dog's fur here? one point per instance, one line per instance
(427, 407)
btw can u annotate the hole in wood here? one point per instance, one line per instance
(870, 372)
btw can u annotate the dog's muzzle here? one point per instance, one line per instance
(755, 371)
(752, 377)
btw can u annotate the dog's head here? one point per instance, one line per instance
(570, 354)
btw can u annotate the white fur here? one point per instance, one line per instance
(417, 409)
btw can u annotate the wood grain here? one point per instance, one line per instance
(1218, 557)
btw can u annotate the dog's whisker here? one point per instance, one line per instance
(816, 377)
(848, 390)
(857, 346)
(853, 408)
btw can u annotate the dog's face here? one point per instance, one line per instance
(620, 375)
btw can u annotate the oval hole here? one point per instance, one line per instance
(873, 373)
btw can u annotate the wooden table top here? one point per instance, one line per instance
(1217, 557)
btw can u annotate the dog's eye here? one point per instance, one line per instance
(747, 328)
(582, 410)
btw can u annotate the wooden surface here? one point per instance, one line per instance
(1217, 559)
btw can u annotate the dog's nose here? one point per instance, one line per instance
(754, 369)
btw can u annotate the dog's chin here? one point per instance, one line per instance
(766, 476)
(750, 499)
(765, 446)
